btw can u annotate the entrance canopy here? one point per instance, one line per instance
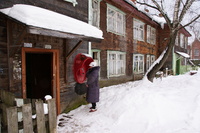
(46, 22)
(183, 54)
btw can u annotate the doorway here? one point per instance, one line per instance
(38, 75)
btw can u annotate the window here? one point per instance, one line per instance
(182, 40)
(186, 42)
(148, 33)
(138, 30)
(116, 63)
(138, 63)
(196, 52)
(176, 41)
(151, 35)
(148, 62)
(95, 5)
(115, 20)
(96, 56)
(152, 59)
(72, 1)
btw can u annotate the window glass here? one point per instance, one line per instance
(116, 63)
(138, 63)
(115, 21)
(138, 30)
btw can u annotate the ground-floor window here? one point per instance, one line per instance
(116, 63)
(138, 63)
(96, 56)
(150, 59)
(148, 62)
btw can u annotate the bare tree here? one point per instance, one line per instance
(174, 22)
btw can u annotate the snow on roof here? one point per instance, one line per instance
(43, 18)
(151, 14)
(183, 54)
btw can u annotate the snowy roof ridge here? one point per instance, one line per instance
(156, 18)
(43, 18)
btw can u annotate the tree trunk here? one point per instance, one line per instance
(151, 74)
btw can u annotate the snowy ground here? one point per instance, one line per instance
(170, 105)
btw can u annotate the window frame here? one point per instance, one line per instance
(118, 67)
(98, 56)
(138, 62)
(196, 52)
(138, 30)
(114, 24)
(151, 35)
(148, 61)
(95, 21)
(182, 40)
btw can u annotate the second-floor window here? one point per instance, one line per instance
(95, 12)
(182, 41)
(151, 35)
(186, 42)
(115, 20)
(138, 30)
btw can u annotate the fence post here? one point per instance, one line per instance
(12, 119)
(52, 115)
(40, 117)
(27, 118)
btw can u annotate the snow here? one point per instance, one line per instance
(183, 54)
(170, 105)
(38, 17)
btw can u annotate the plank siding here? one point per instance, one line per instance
(123, 43)
(18, 38)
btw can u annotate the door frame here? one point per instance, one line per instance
(55, 72)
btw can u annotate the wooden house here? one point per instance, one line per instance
(178, 59)
(130, 42)
(195, 52)
(36, 59)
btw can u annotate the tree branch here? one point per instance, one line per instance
(163, 13)
(189, 22)
(185, 9)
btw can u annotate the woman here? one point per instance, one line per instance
(92, 95)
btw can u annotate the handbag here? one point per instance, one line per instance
(80, 88)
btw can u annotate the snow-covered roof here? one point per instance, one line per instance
(153, 15)
(42, 18)
(183, 54)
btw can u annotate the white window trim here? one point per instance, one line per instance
(91, 13)
(141, 23)
(74, 2)
(151, 35)
(98, 55)
(148, 34)
(118, 11)
(153, 58)
(138, 72)
(124, 67)
(148, 62)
